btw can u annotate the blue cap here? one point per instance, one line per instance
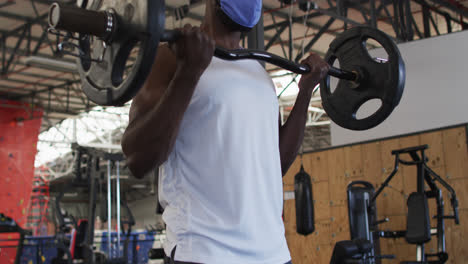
(244, 12)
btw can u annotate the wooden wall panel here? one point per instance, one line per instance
(317, 166)
(435, 153)
(461, 189)
(353, 161)
(289, 217)
(332, 170)
(388, 160)
(339, 224)
(298, 248)
(410, 141)
(321, 200)
(372, 163)
(392, 199)
(455, 151)
(322, 234)
(322, 254)
(336, 172)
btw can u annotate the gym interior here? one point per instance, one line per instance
(390, 187)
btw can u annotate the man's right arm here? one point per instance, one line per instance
(157, 110)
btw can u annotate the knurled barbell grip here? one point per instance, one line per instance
(79, 20)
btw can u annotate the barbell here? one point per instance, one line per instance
(109, 31)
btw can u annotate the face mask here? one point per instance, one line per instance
(244, 12)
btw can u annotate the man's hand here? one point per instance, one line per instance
(194, 50)
(318, 70)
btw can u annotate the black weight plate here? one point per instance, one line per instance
(384, 81)
(140, 22)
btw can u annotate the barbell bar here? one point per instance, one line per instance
(109, 31)
(104, 25)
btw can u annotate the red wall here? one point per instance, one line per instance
(19, 130)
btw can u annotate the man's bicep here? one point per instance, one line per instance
(155, 85)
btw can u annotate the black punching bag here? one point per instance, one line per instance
(304, 203)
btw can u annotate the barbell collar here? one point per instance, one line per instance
(101, 24)
(343, 74)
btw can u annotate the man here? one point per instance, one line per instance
(212, 126)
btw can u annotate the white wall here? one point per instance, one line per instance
(436, 91)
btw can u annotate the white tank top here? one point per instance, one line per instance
(221, 185)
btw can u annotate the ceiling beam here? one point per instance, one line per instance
(298, 20)
(14, 16)
(453, 6)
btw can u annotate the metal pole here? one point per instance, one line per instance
(396, 19)
(117, 189)
(109, 210)
(75, 137)
(373, 14)
(93, 167)
(427, 27)
(420, 253)
(409, 23)
(440, 223)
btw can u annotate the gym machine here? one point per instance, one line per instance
(80, 246)
(363, 214)
(9, 225)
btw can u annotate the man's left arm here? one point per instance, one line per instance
(291, 134)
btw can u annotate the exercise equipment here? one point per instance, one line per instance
(156, 253)
(351, 252)
(81, 244)
(303, 196)
(110, 30)
(418, 230)
(363, 218)
(383, 80)
(362, 210)
(9, 225)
